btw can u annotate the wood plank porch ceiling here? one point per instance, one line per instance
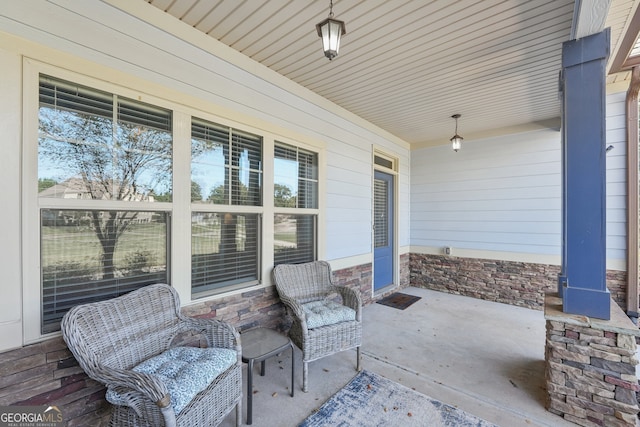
(408, 65)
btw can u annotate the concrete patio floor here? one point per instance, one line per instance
(483, 357)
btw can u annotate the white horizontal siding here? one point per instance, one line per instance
(616, 179)
(354, 177)
(497, 195)
(478, 190)
(404, 203)
(503, 194)
(550, 215)
(348, 200)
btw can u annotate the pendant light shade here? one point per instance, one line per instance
(331, 31)
(456, 140)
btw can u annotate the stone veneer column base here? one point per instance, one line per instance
(590, 367)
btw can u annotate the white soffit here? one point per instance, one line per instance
(407, 65)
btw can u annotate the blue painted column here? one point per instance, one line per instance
(582, 282)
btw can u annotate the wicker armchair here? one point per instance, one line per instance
(308, 284)
(110, 338)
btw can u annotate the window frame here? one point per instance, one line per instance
(183, 107)
(299, 211)
(230, 208)
(33, 204)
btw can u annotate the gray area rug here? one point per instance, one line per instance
(371, 400)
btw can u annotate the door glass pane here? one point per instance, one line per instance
(381, 161)
(381, 219)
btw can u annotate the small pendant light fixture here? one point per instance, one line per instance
(456, 140)
(331, 30)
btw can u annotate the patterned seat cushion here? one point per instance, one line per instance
(326, 312)
(185, 371)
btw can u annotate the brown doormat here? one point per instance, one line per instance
(398, 300)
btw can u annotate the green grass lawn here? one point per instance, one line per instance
(63, 244)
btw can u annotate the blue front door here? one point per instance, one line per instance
(383, 226)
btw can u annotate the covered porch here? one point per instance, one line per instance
(489, 221)
(483, 357)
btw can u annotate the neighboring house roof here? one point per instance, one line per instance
(77, 188)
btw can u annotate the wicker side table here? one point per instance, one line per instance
(258, 345)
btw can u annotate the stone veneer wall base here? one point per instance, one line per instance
(510, 282)
(590, 367)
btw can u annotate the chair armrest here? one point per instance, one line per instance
(296, 309)
(351, 298)
(219, 334)
(129, 385)
(150, 386)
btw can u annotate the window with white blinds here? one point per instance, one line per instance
(80, 265)
(295, 176)
(226, 169)
(296, 186)
(105, 198)
(226, 165)
(94, 146)
(294, 238)
(224, 250)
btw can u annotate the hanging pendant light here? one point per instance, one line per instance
(331, 30)
(456, 140)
